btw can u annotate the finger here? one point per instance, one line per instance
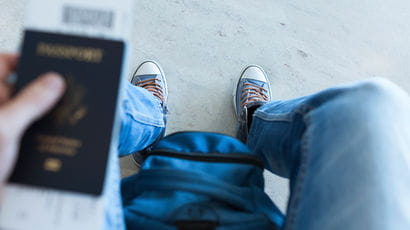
(5, 91)
(33, 101)
(8, 63)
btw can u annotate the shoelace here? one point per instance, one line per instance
(252, 93)
(152, 86)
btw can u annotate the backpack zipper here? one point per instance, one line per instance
(210, 157)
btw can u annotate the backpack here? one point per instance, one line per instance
(201, 181)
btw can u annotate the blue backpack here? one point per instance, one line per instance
(201, 181)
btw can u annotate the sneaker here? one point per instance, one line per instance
(150, 76)
(252, 91)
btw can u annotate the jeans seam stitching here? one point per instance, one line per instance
(294, 206)
(274, 117)
(146, 120)
(283, 116)
(268, 116)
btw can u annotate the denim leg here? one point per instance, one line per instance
(346, 151)
(114, 216)
(142, 122)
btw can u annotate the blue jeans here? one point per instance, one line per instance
(346, 151)
(142, 122)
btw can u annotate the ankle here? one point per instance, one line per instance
(245, 121)
(251, 110)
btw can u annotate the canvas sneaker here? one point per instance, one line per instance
(252, 91)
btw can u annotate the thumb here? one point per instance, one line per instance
(33, 101)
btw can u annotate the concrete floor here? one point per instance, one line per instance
(304, 46)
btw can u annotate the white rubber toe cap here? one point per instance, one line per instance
(148, 68)
(255, 73)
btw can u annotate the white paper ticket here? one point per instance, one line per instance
(25, 207)
(93, 18)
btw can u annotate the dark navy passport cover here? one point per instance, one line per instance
(68, 149)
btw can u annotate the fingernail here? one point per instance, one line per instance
(53, 81)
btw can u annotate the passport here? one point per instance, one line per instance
(67, 175)
(69, 147)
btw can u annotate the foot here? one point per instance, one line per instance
(150, 76)
(252, 91)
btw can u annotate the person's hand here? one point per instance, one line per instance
(17, 113)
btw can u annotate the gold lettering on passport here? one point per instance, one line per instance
(77, 53)
(52, 164)
(58, 145)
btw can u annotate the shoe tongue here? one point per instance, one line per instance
(139, 78)
(146, 77)
(256, 82)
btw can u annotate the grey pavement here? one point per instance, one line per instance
(304, 46)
